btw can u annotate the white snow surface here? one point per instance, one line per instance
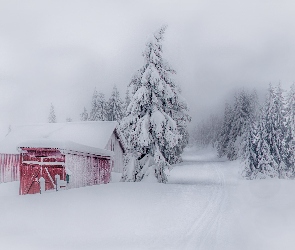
(205, 205)
(94, 134)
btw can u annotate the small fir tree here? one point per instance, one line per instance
(98, 107)
(115, 106)
(52, 117)
(84, 115)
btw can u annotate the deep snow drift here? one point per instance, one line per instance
(206, 205)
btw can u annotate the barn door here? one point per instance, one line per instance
(49, 173)
(30, 175)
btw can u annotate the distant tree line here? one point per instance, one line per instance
(261, 135)
(112, 109)
(106, 110)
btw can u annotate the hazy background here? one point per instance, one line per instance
(59, 51)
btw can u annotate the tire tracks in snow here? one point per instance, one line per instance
(205, 229)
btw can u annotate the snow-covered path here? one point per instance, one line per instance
(237, 214)
(205, 173)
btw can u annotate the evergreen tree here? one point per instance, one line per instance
(52, 117)
(290, 132)
(94, 112)
(127, 99)
(266, 164)
(178, 110)
(84, 115)
(274, 125)
(237, 122)
(240, 123)
(249, 140)
(102, 107)
(149, 126)
(115, 106)
(224, 138)
(98, 107)
(248, 151)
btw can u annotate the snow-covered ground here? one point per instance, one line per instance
(205, 206)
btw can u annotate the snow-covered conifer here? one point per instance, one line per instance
(249, 140)
(271, 148)
(224, 137)
(115, 106)
(274, 125)
(127, 99)
(290, 131)
(248, 151)
(94, 112)
(98, 107)
(52, 116)
(84, 115)
(149, 125)
(266, 164)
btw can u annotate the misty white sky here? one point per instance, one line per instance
(59, 50)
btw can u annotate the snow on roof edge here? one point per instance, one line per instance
(91, 134)
(65, 145)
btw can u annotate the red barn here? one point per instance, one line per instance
(79, 154)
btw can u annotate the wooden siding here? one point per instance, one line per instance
(46, 163)
(9, 167)
(87, 170)
(37, 163)
(115, 146)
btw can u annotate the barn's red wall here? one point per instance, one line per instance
(9, 167)
(32, 169)
(85, 170)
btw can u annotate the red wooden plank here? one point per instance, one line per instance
(31, 173)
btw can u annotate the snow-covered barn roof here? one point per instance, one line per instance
(66, 146)
(74, 135)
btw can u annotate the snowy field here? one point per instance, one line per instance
(205, 206)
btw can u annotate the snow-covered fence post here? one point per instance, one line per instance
(57, 182)
(42, 185)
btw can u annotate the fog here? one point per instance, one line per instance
(59, 51)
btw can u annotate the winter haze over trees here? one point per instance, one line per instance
(260, 134)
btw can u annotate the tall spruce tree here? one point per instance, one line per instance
(249, 139)
(267, 166)
(274, 112)
(271, 145)
(149, 125)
